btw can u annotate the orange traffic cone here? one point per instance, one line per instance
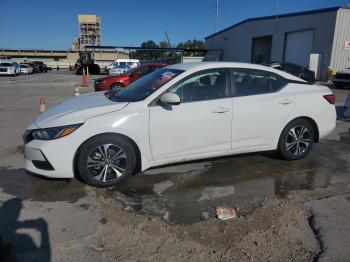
(84, 80)
(76, 91)
(42, 105)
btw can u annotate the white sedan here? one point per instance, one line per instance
(179, 113)
(26, 69)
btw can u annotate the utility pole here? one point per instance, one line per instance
(277, 11)
(167, 37)
(217, 16)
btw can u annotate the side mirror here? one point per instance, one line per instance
(169, 98)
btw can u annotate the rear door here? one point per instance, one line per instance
(261, 105)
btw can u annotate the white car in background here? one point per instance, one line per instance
(9, 68)
(26, 69)
(124, 62)
(119, 70)
(179, 113)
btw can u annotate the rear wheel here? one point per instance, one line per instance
(105, 160)
(296, 140)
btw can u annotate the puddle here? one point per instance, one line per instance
(182, 194)
(18, 183)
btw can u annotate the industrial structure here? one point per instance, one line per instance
(62, 58)
(90, 30)
(317, 39)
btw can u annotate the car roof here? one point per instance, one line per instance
(208, 65)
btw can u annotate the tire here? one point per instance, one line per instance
(294, 145)
(116, 86)
(92, 152)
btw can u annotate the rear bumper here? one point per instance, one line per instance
(327, 122)
(341, 81)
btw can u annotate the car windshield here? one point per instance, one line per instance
(5, 64)
(145, 86)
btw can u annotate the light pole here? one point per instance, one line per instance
(217, 16)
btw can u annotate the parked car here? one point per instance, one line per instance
(26, 68)
(342, 78)
(119, 70)
(179, 113)
(9, 68)
(294, 69)
(123, 80)
(36, 68)
(123, 62)
(42, 66)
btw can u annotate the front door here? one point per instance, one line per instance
(200, 124)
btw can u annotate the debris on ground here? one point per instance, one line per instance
(225, 213)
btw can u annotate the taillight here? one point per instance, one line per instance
(330, 98)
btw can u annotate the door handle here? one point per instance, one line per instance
(286, 101)
(221, 110)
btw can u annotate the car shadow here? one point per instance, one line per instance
(18, 246)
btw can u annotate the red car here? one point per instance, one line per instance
(123, 80)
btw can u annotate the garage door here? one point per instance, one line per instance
(299, 47)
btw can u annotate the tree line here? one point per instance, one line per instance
(149, 55)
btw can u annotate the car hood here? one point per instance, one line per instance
(77, 110)
(344, 71)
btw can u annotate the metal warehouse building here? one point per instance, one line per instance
(318, 39)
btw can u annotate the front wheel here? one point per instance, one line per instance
(296, 140)
(105, 160)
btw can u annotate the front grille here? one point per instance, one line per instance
(3, 69)
(342, 76)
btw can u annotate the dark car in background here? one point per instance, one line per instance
(342, 78)
(42, 67)
(35, 67)
(125, 79)
(294, 69)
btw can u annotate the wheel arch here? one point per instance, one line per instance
(311, 121)
(138, 166)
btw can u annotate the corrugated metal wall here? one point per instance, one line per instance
(236, 42)
(341, 56)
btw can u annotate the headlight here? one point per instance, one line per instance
(54, 132)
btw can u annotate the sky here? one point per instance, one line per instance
(53, 24)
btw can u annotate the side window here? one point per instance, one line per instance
(255, 82)
(204, 85)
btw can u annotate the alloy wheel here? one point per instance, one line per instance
(298, 140)
(107, 162)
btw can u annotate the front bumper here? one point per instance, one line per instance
(7, 73)
(51, 158)
(98, 86)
